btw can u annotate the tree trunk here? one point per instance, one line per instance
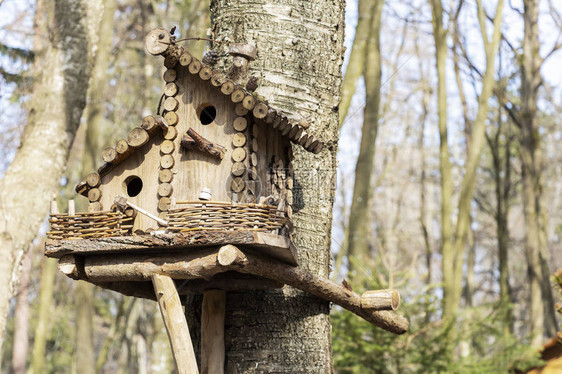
(42, 331)
(543, 318)
(477, 139)
(85, 360)
(501, 163)
(59, 91)
(359, 223)
(300, 48)
(356, 64)
(21, 316)
(440, 38)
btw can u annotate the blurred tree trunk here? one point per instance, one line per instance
(61, 74)
(21, 316)
(160, 354)
(359, 223)
(477, 139)
(96, 137)
(453, 250)
(198, 24)
(501, 160)
(440, 37)
(356, 64)
(288, 331)
(543, 318)
(84, 357)
(45, 300)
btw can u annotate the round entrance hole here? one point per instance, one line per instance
(208, 114)
(133, 185)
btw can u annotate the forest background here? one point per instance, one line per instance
(448, 188)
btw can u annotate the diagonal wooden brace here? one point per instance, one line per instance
(176, 324)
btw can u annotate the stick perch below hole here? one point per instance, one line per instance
(123, 203)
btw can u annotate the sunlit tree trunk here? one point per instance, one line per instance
(543, 318)
(477, 139)
(501, 159)
(45, 301)
(440, 39)
(21, 317)
(96, 130)
(356, 63)
(359, 223)
(61, 75)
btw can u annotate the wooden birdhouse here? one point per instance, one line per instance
(201, 191)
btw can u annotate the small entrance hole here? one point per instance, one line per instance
(133, 184)
(208, 114)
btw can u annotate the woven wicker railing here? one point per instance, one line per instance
(89, 225)
(195, 215)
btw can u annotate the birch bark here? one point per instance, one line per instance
(300, 47)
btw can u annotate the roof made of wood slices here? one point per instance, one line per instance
(160, 42)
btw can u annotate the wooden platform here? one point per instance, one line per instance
(200, 261)
(271, 245)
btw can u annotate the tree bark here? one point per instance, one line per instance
(359, 223)
(501, 163)
(300, 48)
(477, 139)
(41, 331)
(21, 316)
(440, 38)
(59, 90)
(543, 317)
(96, 138)
(356, 64)
(85, 359)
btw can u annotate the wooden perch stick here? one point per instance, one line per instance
(207, 263)
(195, 141)
(176, 324)
(123, 203)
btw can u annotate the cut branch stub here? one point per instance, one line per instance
(157, 41)
(246, 50)
(195, 141)
(229, 255)
(138, 137)
(380, 300)
(93, 180)
(109, 155)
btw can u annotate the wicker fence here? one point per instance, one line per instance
(89, 225)
(195, 215)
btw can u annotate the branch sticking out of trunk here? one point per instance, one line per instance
(195, 141)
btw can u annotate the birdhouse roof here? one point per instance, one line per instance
(177, 57)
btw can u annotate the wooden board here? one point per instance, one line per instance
(276, 246)
(197, 170)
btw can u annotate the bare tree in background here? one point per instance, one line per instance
(61, 74)
(359, 223)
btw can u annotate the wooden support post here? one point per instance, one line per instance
(212, 332)
(176, 324)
